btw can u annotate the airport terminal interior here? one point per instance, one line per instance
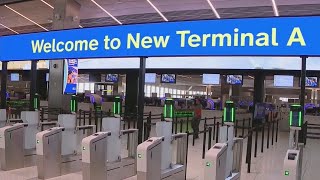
(159, 89)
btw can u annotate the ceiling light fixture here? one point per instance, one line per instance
(109, 14)
(9, 28)
(158, 11)
(45, 2)
(80, 26)
(275, 8)
(213, 9)
(26, 18)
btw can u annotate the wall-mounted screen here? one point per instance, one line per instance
(211, 79)
(150, 78)
(14, 77)
(70, 76)
(282, 81)
(112, 78)
(235, 79)
(312, 82)
(168, 78)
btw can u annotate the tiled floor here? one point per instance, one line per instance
(267, 166)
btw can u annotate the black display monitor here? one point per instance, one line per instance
(168, 78)
(312, 82)
(112, 78)
(234, 79)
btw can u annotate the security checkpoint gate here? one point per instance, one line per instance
(155, 155)
(292, 166)
(65, 150)
(12, 147)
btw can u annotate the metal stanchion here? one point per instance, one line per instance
(262, 139)
(272, 137)
(256, 142)
(243, 124)
(217, 132)
(214, 127)
(204, 143)
(209, 138)
(268, 138)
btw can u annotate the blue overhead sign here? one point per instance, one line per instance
(285, 36)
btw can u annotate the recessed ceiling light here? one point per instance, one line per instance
(45, 2)
(213, 9)
(26, 18)
(107, 12)
(275, 8)
(8, 28)
(158, 11)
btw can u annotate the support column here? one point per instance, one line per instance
(65, 16)
(4, 77)
(33, 84)
(131, 100)
(303, 83)
(259, 91)
(142, 72)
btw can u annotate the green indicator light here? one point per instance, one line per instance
(38, 141)
(208, 164)
(83, 148)
(139, 156)
(225, 114)
(286, 173)
(290, 119)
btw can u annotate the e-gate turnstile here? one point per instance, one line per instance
(3, 117)
(66, 149)
(154, 158)
(49, 152)
(292, 166)
(13, 143)
(94, 156)
(223, 160)
(12, 147)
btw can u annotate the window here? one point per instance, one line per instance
(161, 92)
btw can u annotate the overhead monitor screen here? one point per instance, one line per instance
(311, 81)
(150, 78)
(282, 81)
(14, 77)
(168, 78)
(235, 79)
(112, 78)
(211, 79)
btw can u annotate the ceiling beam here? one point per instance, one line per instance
(8, 2)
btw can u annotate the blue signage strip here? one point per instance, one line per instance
(70, 76)
(284, 36)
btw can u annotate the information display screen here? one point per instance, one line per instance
(168, 78)
(14, 77)
(211, 79)
(70, 79)
(235, 79)
(312, 82)
(282, 81)
(112, 78)
(150, 78)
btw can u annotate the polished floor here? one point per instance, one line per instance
(266, 166)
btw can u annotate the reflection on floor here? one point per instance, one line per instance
(267, 166)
